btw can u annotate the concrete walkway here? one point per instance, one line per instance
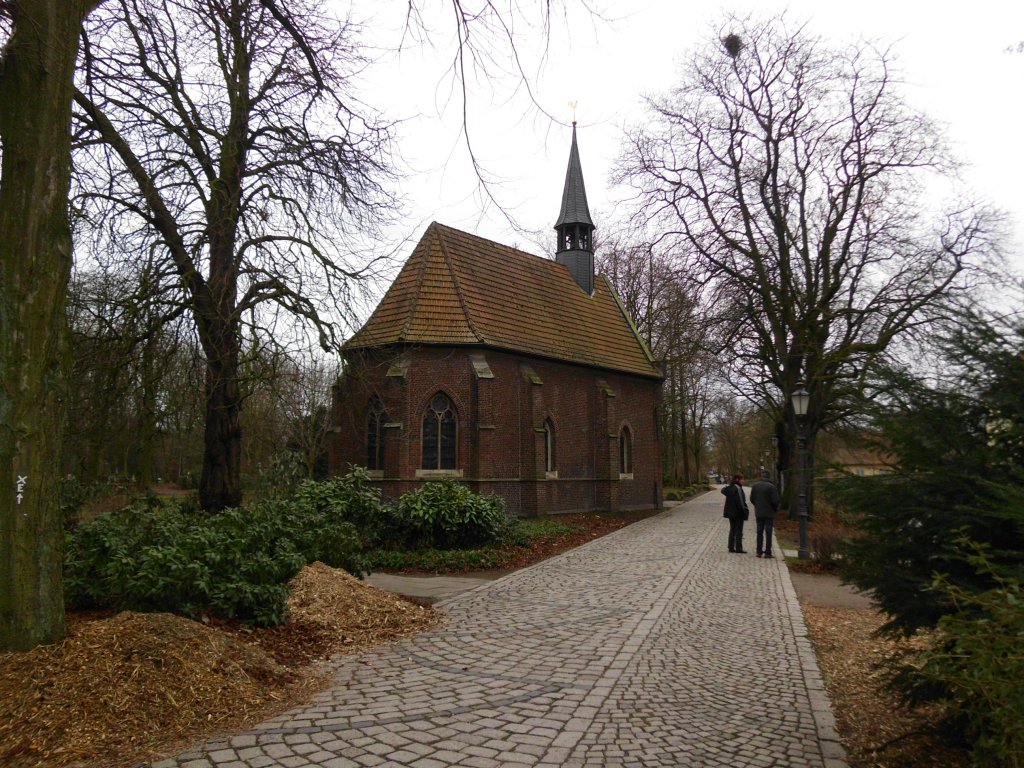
(652, 646)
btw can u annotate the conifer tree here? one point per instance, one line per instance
(959, 447)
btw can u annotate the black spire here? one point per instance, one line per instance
(575, 229)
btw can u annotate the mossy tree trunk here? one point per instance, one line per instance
(36, 77)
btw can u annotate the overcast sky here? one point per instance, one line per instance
(952, 57)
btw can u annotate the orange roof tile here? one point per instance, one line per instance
(458, 288)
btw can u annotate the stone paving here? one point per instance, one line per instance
(652, 646)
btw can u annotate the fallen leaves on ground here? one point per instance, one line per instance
(877, 731)
(123, 687)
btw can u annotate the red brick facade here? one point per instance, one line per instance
(503, 401)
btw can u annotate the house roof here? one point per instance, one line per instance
(457, 288)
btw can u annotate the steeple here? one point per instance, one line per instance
(575, 229)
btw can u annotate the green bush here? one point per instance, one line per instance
(447, 515)
(156, 556)
(976, 663)
(72, 496)
(283, 475)
(350, 498)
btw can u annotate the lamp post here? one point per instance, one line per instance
(801, 399)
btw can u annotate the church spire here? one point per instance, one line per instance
(575, 229)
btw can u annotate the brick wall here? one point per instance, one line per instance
(502, 407)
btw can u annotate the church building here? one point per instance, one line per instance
(518, 375)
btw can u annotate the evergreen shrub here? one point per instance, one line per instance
(350, 498)
(447, 515)
(976, 663)
(156, 556)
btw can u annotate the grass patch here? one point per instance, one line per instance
(435, 560)
(523, 534)
(543, 529)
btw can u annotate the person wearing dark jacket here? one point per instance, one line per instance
(765, 498)
(737, 511)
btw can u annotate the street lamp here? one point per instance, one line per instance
(801, 399)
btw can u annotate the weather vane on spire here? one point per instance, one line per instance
(572, 106)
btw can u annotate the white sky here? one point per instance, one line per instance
(952, 57)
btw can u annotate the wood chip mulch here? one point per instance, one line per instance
(127, 687)
(876, 730)
(130, 687)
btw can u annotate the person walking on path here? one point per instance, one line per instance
(737, 511)
(765, 498)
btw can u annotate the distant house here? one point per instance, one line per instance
(865, 456)
(518, 375)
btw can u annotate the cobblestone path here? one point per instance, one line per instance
(652, 646)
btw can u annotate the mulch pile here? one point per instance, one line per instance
(130, 687)
(126, 687)
(334, 612)
(877, 731)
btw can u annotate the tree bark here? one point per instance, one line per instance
(147, 411)
(220, 485)
(36, 76)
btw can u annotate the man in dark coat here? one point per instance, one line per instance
(737, 511)
(765, 498)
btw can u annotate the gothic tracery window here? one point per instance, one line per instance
(625, 451)
(375, 436)
(549, 446)
(440, 431)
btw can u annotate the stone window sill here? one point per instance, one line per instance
(438, 473)
(625, 475)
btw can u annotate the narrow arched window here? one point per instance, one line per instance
(375, 436)
(440, 431)
(549, 446)
(625, 452)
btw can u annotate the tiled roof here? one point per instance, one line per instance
(458, 288)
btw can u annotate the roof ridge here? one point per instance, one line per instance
(632, 326)
(458, 290)
(422, 271)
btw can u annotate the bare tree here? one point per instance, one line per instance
(305, 400)
(227, 139)
(791, 175)
(38, 47)
(123, 356)
(666, 307)
(288, 397)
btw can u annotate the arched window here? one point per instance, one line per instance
(625, 452)
(440, 431)
(375, 436)
(549, 446)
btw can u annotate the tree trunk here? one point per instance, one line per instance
(220, 486)
(684, 441)
(147, 410)
(36, 77)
